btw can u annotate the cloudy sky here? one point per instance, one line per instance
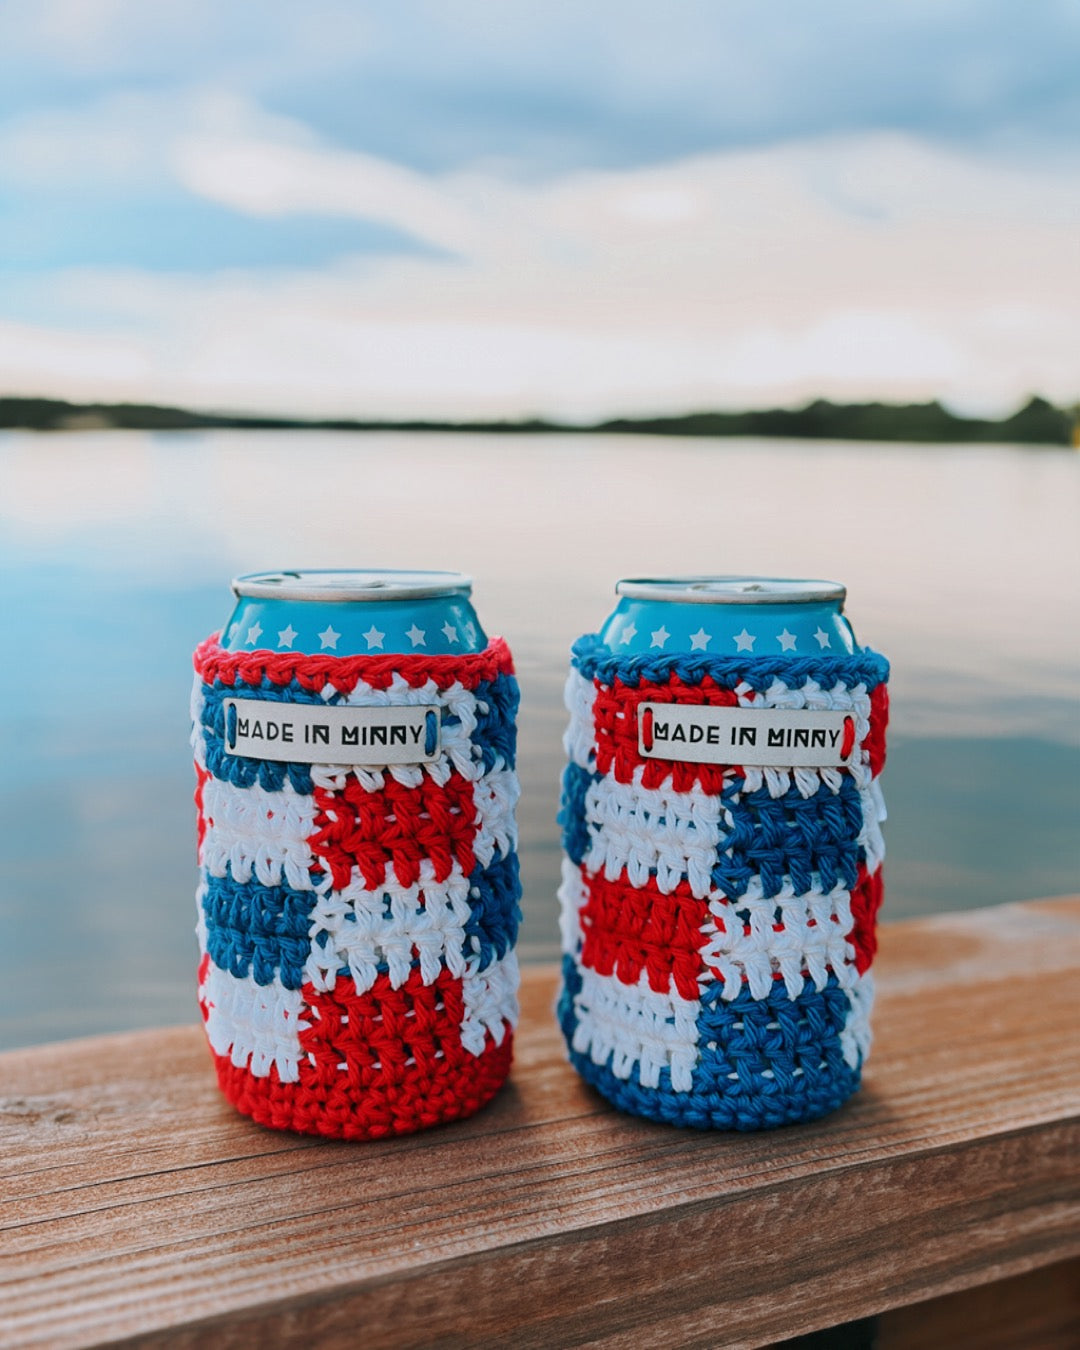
(562, 208)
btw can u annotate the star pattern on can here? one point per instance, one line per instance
(763, 636)
(386, 636)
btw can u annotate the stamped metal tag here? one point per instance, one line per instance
(780, 738)
(305, 733)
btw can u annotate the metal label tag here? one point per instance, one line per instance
(304, 733)
(777, 738)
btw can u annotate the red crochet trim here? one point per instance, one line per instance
(879, 723)
(314, 673)
(202, 777)
(866, 900)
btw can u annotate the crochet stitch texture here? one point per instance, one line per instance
(357, 926)
(719, 922)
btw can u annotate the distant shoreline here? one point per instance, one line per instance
(1036, 423)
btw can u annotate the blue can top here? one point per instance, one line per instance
(352, 612)
(728, 615)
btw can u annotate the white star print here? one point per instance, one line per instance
(628, 633)
(328, 637)
(373, 637)
(659, 637)
(787, 641)
(416, 636)
(286, 636)
(744, 641)
(470, 633)
(822, 638)
(254, 633)
(450, 631)
(700, 640)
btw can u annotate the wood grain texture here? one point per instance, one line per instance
(137, 1204)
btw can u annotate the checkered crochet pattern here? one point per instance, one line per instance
(357, 926)
(718, 922)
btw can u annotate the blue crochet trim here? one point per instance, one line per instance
(807, 1039)
(595, 662)
(576, 834)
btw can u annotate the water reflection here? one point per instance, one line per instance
(116, 550)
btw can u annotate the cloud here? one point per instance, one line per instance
(260, 175)
(858, 267)
(198, 181)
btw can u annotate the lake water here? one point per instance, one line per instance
(116, 550)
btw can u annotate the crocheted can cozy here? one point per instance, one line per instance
(718, 922)
(357, 926)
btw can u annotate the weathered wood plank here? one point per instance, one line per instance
(135, 1203)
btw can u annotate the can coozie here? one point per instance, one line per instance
(357, 923)
(718, 917)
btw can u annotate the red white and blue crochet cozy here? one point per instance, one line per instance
(357, 926)
(718, 922)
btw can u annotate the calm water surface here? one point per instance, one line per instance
(116, 550)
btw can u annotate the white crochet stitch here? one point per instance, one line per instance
(760, 936)
(580, 735)
(572, 897)
(358, 929)
(644, 830)
(639, 1029)
(197, 738)
(491, 1002)
(258, 832)
(256, 1025)
(873, 813)
(856, 1036)
(495, 795)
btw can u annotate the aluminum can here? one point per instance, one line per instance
(358, 904)
(721, 817)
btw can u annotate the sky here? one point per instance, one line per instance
(572, 210)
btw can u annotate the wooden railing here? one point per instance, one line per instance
(135, 1204)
